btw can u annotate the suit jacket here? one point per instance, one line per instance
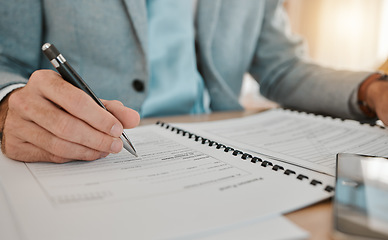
(106, 42)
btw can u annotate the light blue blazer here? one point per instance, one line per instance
(106, 42)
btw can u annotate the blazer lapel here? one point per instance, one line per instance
(137, 11)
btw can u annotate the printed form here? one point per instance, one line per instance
(299, 138)
(176, 189)
(164, 167)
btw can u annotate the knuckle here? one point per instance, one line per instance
(56, 147)
(14, 99)
(36, 76)
(36, 79)
(79, 99)
(40, 75)
(63, 128)
(17, 100)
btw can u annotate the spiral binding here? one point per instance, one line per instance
(244, 156)
(370, 122)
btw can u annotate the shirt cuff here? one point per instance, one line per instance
(4, 92)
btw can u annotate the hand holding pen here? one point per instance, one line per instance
(71, 76)
(51, 120)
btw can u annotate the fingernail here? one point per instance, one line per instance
(116, 130)
(116, 146)
(104, 154)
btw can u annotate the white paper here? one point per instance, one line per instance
(177, 188)
(298, 138)
(8, 223)
(273, 228)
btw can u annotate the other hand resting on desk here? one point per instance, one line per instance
(51, 120)
(377, 99)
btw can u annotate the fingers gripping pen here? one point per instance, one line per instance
(71, 76)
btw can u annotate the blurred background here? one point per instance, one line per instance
(341, 34)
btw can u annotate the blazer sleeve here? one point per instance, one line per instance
(286, 76)
(20, 40)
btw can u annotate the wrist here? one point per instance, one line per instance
(368, 91)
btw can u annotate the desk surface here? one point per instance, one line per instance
(316, 219)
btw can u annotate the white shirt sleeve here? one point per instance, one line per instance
(10, 88)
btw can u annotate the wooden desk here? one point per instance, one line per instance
(316, 219)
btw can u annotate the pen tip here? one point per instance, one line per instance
(127, 144)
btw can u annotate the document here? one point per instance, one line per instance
(8, 223)
(297, 138)
(176, 189)
(273, 228)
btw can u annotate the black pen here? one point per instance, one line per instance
(71, 76)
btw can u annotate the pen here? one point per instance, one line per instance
(71, 76)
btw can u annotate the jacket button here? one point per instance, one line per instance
(138, 85)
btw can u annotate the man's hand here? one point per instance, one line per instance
(50, 120)
(377, 99)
